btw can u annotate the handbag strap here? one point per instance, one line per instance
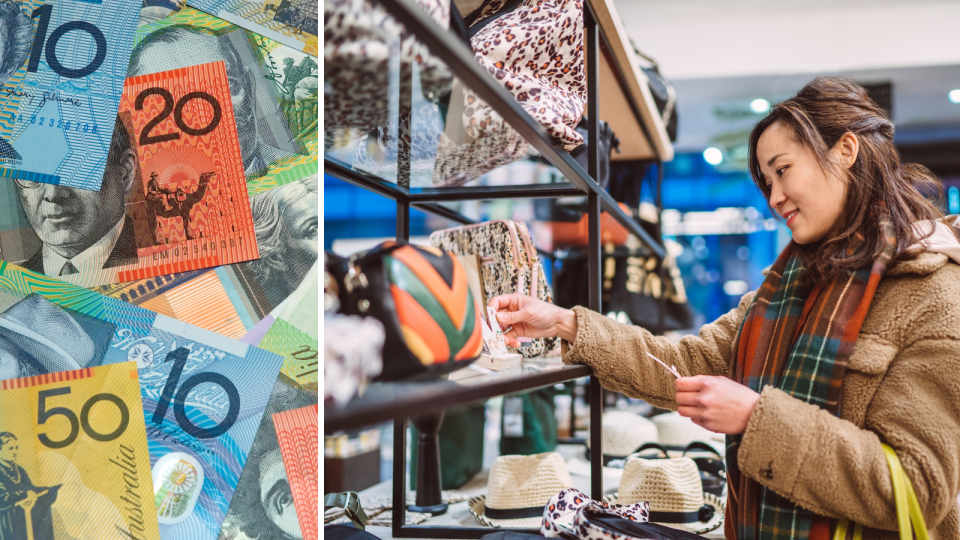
(350, 502)
(908, 506)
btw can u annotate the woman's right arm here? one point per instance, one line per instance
(617, 352)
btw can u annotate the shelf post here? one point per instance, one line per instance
(403, 221)
(399, 476)
(593, 208)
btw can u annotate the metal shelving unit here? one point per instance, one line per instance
(425, 401)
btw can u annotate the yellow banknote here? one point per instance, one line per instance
(74, 461)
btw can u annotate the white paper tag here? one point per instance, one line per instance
(512, 417)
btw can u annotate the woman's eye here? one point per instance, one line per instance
(780, 171)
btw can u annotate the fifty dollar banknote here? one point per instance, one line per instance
(74, 461)
(203, 394)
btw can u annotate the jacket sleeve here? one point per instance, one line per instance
(834, 468)
(616, 352)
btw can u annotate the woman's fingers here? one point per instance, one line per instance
(691, 399)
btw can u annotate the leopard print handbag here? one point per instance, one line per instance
(536, 52)
(361, 46)
(507, 267)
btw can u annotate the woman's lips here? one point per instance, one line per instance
(793, 217)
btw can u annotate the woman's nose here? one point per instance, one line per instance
(777, 198)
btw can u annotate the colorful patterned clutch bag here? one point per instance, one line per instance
(421, 296)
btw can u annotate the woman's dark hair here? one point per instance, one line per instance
(6, 437)
(817, 117)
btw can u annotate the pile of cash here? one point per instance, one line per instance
(158, 269)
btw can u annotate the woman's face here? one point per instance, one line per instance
(801, 191)
(9, 451)
(9, 365)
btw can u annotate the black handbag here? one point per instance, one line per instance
(664, 95)
(422, 298)
(633, 291)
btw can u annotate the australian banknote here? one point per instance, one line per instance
(263, 506)
(294, 23)
(274, 88)
(174, 200)
(298, 435)
(74, 459)
(203, 394)
(61, 82)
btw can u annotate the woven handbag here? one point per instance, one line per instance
(509, 263)
(908, 507)
(421, 296)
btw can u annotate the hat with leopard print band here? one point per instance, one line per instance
(519, 487)
(674, 491)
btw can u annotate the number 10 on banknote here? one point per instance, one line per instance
(191, 209)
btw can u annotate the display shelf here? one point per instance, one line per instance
(389, 401)
(410, 168)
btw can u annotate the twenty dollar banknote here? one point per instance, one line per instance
(64, 63)
(203, 394)
(74, 461)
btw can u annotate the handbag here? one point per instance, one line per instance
(509, 263)
(568, 226)
(535, 49)
(664, 95)
(633, 292)
(422, 298)
(908, 507)
(361, 42)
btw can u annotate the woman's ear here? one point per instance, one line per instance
(846, 150)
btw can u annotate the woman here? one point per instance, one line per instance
(20, 500)
(853, 339)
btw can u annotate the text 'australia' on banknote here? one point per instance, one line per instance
(64, 63)
(74, 461)
(298, 434)
(295, 23)
(203, 394)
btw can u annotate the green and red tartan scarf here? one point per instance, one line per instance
(796, 338)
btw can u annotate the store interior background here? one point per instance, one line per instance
(728, 61)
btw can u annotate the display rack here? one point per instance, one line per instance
(625, 102)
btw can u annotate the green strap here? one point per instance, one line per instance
(350, 502)
(908, 506)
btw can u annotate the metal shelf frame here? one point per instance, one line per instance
(460, 59)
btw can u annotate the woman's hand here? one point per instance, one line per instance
(533, 318)
(716, 403)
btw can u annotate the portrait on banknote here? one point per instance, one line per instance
(285, 221)
(16, 38)
(262, 506)
(80, 228)
(39, 337)
(265, 136)
(25, 508)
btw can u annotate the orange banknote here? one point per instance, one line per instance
(189, 204)
(298, 435)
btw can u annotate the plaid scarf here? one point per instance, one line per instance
(796, 338)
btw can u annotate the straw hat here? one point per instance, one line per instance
(623, 433)
(519, 487)
(675, 432)
(673, 489)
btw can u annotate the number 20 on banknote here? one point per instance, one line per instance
(191, 208)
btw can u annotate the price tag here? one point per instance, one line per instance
(512, 417)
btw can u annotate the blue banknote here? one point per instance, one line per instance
(203, 394)
(64, 63)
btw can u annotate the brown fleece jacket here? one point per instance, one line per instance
(902, 387)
